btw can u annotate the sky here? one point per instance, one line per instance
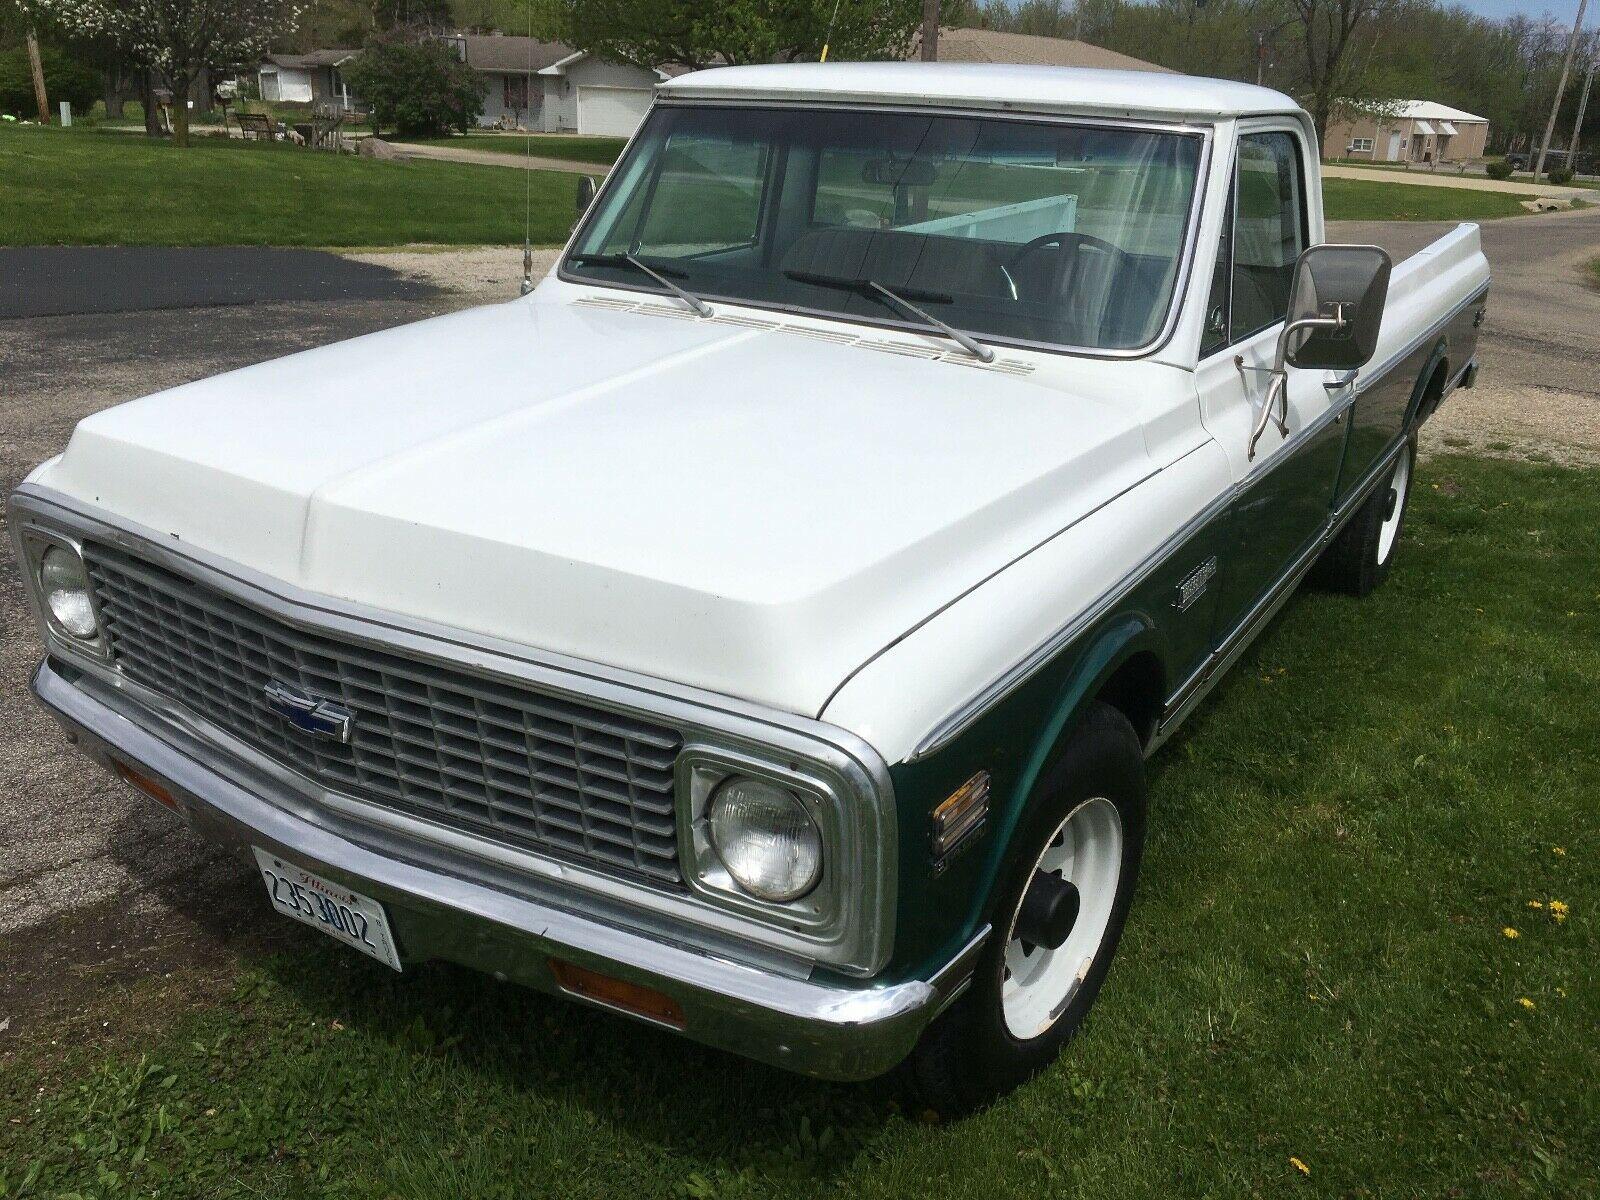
(1562, 10)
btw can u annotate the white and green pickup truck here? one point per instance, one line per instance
(759, 628)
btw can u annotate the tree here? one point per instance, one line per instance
(420, 89)
(178, 39)
(696, 34)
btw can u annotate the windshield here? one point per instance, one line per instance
(1027, 231)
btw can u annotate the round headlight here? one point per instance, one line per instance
(66, 591)
(765, 838)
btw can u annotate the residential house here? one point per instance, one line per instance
(553, 88)
(1420, 131)
(992, 46)
(312, 78)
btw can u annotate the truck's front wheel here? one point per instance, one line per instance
(1057, 922)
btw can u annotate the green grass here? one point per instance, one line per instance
(68, 188)
(1371, 200)
(601, 150)
(1314, 968)
(1592, 269)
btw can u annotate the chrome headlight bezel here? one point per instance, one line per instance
(824, 912)
(35, 542)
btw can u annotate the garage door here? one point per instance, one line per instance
(616, 111)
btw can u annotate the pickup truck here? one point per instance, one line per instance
(760, 627)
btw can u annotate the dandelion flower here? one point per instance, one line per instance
(1534, 904)
(1510, 932)
(1558, 851)
(1526, 1003)
(1299, 1166)
(1559, 907)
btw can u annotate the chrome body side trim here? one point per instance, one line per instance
(1205, 131)
(857, 939)
(750, 1009)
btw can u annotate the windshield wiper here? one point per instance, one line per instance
(870, 286)
(627, 260)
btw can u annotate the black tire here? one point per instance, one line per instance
(1356, 561)
(969, 1057)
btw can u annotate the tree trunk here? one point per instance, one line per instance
(113, 93)
(200, 91)
(147, 97)
(180, 113)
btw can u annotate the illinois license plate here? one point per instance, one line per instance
(349, 917)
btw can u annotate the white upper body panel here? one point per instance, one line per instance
(751, 512)
(1128, 94)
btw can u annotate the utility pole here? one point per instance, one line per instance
(38, 78)
(930, 30)
(1583, 104)
(1561, 86)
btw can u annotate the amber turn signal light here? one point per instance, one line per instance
(633, 998)
(960, 814)
(146, 785)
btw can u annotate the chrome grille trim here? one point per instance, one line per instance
(459, 749)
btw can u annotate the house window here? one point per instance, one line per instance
(1360, 145)
(516, 95)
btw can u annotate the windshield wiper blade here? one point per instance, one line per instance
(870, 286)
(627, 260)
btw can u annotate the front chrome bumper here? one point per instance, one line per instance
(764, 1013)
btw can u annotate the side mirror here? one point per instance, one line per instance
(1335, 308)
(586, 191)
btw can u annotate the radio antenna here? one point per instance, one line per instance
(828, 36)
(527, 166)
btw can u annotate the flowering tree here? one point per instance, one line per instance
(175, 38)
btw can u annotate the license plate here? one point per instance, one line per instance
(345, 916)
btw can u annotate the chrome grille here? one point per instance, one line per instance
(431, 741)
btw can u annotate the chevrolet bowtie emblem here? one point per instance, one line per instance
(311, 714)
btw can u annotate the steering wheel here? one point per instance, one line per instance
(1066, 272)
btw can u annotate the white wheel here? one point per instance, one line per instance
(1039, 983)
(1399, 484)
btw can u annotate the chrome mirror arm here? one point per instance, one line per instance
(1278, 387)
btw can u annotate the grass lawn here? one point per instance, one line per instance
(1317, 968)
(1370, 200)
(61, 187)
(602, 150)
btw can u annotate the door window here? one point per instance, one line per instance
(1269, 230)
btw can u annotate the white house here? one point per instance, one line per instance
(550, 87)
(306, 78)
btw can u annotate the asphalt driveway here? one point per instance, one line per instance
(41, 281)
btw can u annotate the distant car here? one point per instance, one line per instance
(1584, 164)
(760, 628)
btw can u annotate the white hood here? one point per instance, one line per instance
(751, 512)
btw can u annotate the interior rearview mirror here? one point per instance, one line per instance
(1336, 307)
(586, 190)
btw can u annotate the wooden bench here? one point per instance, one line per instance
(255, 126)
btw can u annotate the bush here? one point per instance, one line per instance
(64, 79)
(417, 89)
(1498, 169)
(1559, 174)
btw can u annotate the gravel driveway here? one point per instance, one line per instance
(96, 883)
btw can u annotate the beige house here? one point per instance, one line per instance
(992, 46)
(1420, 132)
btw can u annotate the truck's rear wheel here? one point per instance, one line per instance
(1056, 925)
(1359, 558)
